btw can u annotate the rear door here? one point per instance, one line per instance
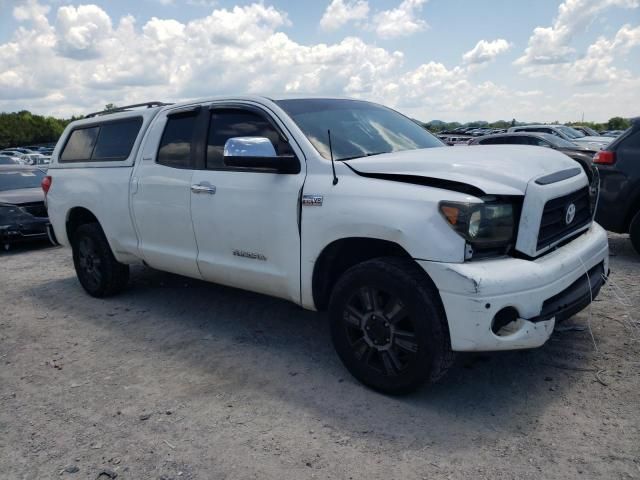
(161, 193)
(246, 220)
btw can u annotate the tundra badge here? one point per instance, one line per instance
(252, 255)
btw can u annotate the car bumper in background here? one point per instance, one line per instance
(23, 232)
(534, 293)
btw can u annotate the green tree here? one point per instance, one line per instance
(110, 106)
(24, 128)
(618, 123)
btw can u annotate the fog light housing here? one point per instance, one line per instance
(503, 318)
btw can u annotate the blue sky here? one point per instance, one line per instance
(446, 59)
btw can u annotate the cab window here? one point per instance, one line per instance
(226, 123)
(177, 141)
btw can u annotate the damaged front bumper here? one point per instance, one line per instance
(510, 303)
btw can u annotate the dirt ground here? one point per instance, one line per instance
(180, 379)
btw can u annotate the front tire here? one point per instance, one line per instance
(99, 273)
(389, 327)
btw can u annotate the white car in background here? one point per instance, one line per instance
(16, 155)
(567, 133)
(36, 159)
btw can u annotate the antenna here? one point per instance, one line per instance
(333, 163)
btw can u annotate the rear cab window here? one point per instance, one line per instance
(103, 142)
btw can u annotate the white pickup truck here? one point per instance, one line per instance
(417, 250)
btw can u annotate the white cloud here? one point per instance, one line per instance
(486, 51)
(341, 12)
(400, 21)
(81, 30)
(552, 45)
(30, 10)
(596, 66)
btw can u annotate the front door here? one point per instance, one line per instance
(246, 220)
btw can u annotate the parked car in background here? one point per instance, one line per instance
(580, 153)
(453, 140)
(612, 133)
(22, 150)
(13, 154)
(619, 167)
(566, 133)
(36, 159)
(23, 214)
(589, 132)
(7, 160)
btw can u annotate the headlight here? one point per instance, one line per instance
(483, 225)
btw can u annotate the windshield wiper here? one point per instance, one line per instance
(370, 154)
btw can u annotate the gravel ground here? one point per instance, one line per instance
(180, 379)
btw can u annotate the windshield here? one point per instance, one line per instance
(17, 179)
(358, 129)
(557, 141)
(589, 131)
(571, 132)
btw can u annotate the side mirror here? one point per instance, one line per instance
(249, 147)
(258, 153)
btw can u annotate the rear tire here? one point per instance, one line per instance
(99, 273)
(389, 327)
(634, 232)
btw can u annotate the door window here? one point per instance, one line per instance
(177, 141)
(538, 142)
(228, 123)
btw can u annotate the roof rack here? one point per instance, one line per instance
(127, 108)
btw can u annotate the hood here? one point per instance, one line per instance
(23, 195)
(490, 169)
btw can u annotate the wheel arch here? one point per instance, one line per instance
(76, 217)
(340, 255)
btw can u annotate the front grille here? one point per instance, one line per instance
(37, 209)
(553, 226)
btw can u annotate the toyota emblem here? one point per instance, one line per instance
(569, 214)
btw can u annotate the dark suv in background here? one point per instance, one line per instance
(619, 166)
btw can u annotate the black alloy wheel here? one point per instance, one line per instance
(98, 271)
(89, 263)
(388, 325)
(380, 330)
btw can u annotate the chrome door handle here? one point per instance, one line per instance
(210, 189)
